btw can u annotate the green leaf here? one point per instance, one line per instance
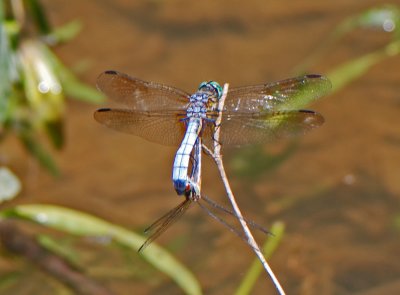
(54, 245)
(42, 90)
(1, 11)
(55, 131)
(82, 224)
(65, 32)
(70, 83)
(5, 81)
(348, 72)
(309, 90)
(75, 89)
(35, 9)
(385, 17)
(35, 148)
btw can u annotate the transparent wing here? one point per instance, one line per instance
(141, 95)
(263, 127)
(165, 128)
(290, 94)
(164, 222)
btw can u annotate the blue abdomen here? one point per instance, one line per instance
(180, 186)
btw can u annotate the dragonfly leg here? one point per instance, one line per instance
(185, 120)
(216, 127)
(194, 163)
(193, 191)
(209, 120)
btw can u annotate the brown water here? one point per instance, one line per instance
(338, 193)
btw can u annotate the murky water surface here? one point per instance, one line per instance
(338, 191)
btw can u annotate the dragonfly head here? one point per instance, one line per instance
(211, 86)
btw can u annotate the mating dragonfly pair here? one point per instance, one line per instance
(167, 115)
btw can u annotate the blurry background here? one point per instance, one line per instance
(337, 189)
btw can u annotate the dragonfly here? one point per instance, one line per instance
(170, 116)
(165, 221)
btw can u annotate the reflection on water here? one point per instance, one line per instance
(340, 234)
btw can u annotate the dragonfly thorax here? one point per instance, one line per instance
(204, 99)
(198, 105)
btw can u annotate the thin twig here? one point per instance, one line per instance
(216, 155)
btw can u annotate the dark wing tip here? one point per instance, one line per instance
(314, 76)
(314, 119)
(103, 110)
(98, 114)
(324, 83)
(111, 72)
(319, 77)
(104, 78)
(106, 73)
(308, 111)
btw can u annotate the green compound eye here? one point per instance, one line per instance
(213, 85)
(217, 88)
(203, 84)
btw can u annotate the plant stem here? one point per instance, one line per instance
(216, 155)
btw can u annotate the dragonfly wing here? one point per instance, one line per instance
(141, 95)
(164, 222)
(165, 128)
(266, 127)
(290, 94)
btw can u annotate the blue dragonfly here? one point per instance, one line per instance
(170, 116)
(165, 221)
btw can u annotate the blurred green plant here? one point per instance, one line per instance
(255, 270)
(385, 18)
(248, 164)
(31, 100)
(33, 86)
(82, 224)
(33, 80)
